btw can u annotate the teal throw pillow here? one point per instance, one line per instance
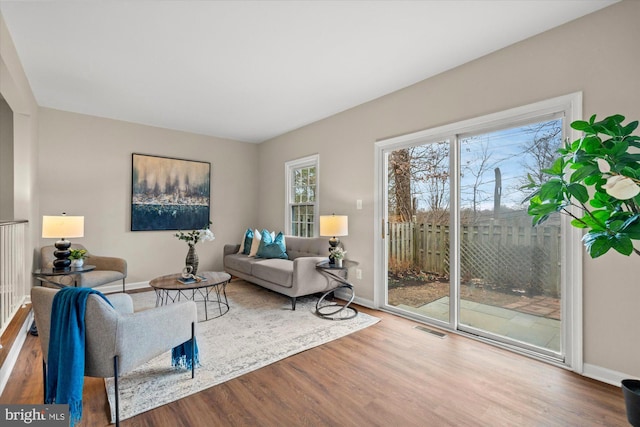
(272, 247)
(248, 240)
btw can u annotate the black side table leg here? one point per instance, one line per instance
(33, 330)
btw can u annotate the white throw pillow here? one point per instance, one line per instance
(257, 236)
(244, 236)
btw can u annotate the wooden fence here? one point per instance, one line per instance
(505, 256)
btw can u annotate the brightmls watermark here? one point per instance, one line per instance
(34, 415)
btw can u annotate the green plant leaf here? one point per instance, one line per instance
(628, 129)
(623, 244)
(578, 224)
(582, 125)
(591, 144)
(578, 191)
(596, 243)
(584, 171)
(551, 190)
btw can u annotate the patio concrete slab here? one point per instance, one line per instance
(529, 328)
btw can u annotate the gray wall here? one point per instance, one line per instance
(6, 161)
(597, 54)
(15, 89)
(85, 169)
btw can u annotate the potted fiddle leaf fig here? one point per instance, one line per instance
(596, 181)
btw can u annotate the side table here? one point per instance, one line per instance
(43, 274)
(336, 311)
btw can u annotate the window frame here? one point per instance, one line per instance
(571, 104)
(290, 168)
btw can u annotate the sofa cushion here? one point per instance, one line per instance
(272, 248)
(239, 262)
(279, 271)
(245, 247)
(307, 246)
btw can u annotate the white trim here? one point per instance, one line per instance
(117, 287)
(289, 166)
(14, 352)
(605, 375)
(572, 255)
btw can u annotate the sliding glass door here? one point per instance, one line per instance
(457, 245)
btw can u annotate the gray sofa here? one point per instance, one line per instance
(294, 277)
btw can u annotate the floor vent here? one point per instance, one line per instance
(431, 331)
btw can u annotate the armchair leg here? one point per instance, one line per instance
(293, 303)
(117, 394)
(193, 349)
(44, 381)
(123, 286)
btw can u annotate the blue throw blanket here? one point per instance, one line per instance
(65, 373)
(181, 355)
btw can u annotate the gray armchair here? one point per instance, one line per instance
(108, 269)
(117, 339)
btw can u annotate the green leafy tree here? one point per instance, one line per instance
(598, 176)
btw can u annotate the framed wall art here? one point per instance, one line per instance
(169, 194)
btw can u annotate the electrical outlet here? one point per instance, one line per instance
(359, 204)
(358, 274)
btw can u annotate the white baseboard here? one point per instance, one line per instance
(605, 375)
(117, 287)
(12, 357)
(344, 295)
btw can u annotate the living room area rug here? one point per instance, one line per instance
(259, 329)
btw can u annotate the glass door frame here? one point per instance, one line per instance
(572, 321)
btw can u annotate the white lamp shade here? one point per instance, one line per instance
(56, 227)
(334, 225)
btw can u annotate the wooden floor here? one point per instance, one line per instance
(389, 374)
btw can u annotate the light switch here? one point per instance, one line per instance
(359, 204)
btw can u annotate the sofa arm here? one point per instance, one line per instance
(305, 275)
(231, 249)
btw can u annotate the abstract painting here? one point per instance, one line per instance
(169, 194)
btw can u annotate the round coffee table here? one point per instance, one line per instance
(211, 289)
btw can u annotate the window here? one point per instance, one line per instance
(301, 211)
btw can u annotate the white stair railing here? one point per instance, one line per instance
(13, 280)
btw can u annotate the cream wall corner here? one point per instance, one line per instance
(594, 54)
(85, 169)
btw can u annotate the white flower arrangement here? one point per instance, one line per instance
(338, 253)
(194, 236)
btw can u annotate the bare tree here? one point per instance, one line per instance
(476, 167)
(400, 181)
(540, 153)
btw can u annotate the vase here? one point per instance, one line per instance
(192, 259)
(631, 393)
(339, 263)
(77, 262)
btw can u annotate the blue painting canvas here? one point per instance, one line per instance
(169, 194)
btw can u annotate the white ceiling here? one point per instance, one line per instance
(252, 70)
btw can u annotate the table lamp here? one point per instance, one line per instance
(61, 227)
(334, 226)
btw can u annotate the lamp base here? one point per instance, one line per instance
(333, 243)
(62, 252)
